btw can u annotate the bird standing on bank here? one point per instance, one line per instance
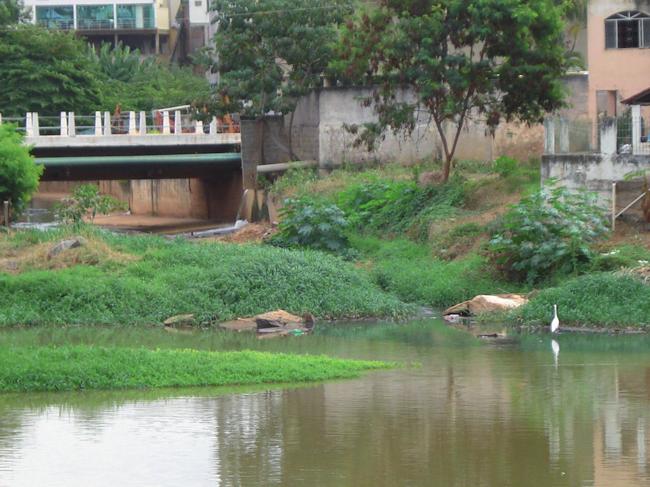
(555, 324)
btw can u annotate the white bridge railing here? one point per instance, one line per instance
(129, 123)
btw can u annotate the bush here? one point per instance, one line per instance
(86, 201)
(311, 223)
(19, 175)
(602, 299)
(505, 166)
(546, 233)
(396, 207)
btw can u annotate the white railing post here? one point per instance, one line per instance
(198, 127)
(143, 123)
(29, 127)
(37, 128)
(64, 125)
(636, 129)
(178, 123)
(213, 126)
(0, 118)
(607, 127)
(98, 123)
(133, 130)
(549, 136)
(107, 123)
(166, 130)
(72, 128)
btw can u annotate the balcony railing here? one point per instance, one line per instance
(91, 24)
(132, 23)
(64, 24)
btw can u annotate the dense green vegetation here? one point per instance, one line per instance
(151, 279)
(28, 369)
(600, 299)
(19, 174)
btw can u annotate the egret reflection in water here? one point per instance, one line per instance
(555, 346)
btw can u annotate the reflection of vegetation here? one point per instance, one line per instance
(84, 367)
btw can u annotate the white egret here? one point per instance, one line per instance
(555, 324)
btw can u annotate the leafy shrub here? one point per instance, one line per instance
(86, 201)
(19, 175)
(400, 206)
(623, 256)
(316, 224)
(505, 166)
(548, 232)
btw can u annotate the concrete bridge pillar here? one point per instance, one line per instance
(178, 125)
(165, 127)
(64, 124)
(107, 123)
(29, 127)
(98, 123)
(36, 126)
(133, 130)
(549, 133)
(213, 126)
(72, 129)
(198, 127)
(143, 123)
(608, 134)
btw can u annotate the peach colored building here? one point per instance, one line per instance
(618, 53)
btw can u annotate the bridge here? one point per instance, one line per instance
(173, 165)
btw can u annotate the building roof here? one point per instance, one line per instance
(641, 98)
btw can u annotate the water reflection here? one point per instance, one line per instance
(480, 416)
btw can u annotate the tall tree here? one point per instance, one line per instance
(488, 59)
(270, 53)
(12, 12)
(45, 71)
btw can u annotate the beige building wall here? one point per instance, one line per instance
(626, 71)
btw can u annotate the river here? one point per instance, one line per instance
(459, 413)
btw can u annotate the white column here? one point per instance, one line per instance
(64, 124)
(133, 130)
(0, 118)
(74, 16)
(608, 135)
(35, 124)
(166, 130)
(98, 123)
(636, 129)
(198, 127)
(115, 17)
(213, 126)
(29, 126)
(549, 136)
(107, 123)
(178, 123)
(143, 123)
(72, 129)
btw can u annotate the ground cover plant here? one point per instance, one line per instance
(29, 369)
(163, 278)
(600, 299)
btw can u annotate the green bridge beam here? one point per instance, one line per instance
(225, 158)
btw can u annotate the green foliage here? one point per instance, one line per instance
(216, 282)
(311, 223)
(601, 299)
(12, 12)
(294, 179)
(400, 206)
(19, 174)
(546, 233)
(408, 270)
(505, 166)
(272, 52)
(82, 367)
(621, 257)
(86, 201)
(461, 58)
(44, 71)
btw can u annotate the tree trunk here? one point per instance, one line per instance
(292, 156)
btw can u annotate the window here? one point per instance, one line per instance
(55, 17)
(135, 17)
(91, 17)
(627, 30)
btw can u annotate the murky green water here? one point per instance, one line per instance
(469, 415)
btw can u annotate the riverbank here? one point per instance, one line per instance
(428, 244)
(143, 280)
(67, 368)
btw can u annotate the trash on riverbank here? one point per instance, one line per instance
(485, 303)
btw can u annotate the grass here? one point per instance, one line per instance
(162, 278)
(409, 271)
(600, 299)
(32, 369)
